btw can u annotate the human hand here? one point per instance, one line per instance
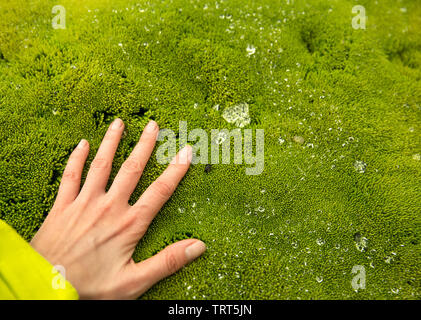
(93, 233)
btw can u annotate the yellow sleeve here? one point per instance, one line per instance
(25, 274)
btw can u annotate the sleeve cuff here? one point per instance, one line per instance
(25, 274)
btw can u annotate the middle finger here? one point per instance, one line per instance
(100, 168)
(130, 172)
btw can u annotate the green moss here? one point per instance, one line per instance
(354, 95)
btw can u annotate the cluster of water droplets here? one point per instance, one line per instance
(237, 115)
(360, 242)
(360, 166)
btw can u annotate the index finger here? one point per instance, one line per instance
(162, 188)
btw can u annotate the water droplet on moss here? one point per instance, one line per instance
(389, 259)
(253, 231)
(360, 242)
(298, 139)
(260, 209)
(250, 50)
(360, 166)
(238, 115)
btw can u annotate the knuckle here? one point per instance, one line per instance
(171, 262)
(141, 226)
(127, 226)
(132, 166)
(141, 208)
(106, 205)
(83, 201)
(130, 220)
(70, 175)
(162, 188)
(100, 163)
(140, 223)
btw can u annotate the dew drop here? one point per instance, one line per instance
(360, 242)
(250, 50)
(389, 259)
(253, 231)
(298, 139)
(360, 166)
(260, 209)
(238, 115)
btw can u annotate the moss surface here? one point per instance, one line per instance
(342, 100)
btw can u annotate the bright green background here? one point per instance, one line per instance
(353, 94)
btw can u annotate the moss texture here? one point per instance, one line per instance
(342, 100)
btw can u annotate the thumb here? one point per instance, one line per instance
(166, 262)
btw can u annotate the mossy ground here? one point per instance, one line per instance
(354, 95)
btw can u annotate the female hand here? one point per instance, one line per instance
(93, 233)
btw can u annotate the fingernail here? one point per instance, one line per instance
(117, 123)
(82, 144)
(195, 250)
(151, 126)
(185, 154)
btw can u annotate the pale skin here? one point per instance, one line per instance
(92, 232)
